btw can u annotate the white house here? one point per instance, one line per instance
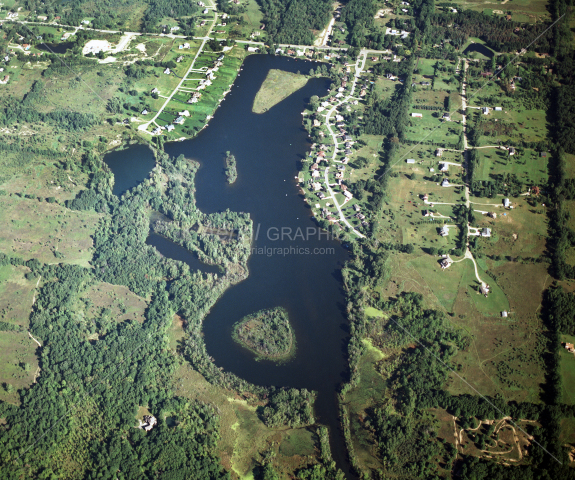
(444, 232)
(486, 232)
(498, 109)
(169, 128)
(410, 160)
(417, 115)
(167, 71)
(445, 183)
(485, 110)
(506, 202)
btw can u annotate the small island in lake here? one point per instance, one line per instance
(266, 333)
(231, 170)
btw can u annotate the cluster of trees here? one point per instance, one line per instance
(268, 333)
(495, 30)
(358, 16)
(231, 170)
(289, 407)
(292, 21)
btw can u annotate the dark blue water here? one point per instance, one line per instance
(172, 250)
(131, 166)
(305, 277)
(479, 48)
(61, 47)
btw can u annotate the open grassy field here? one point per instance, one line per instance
(277, 86)
(16, 293)
(359, 400)
(18, 364)
(119, 300)
(46, 231)
(521, 10)
(528, 166)
(244, 438)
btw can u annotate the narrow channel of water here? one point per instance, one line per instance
(304, 277)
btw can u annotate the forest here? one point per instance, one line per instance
(292, 21)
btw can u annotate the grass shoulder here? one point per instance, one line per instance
(266, 333)
(277, 86)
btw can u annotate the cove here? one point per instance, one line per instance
(301, 273)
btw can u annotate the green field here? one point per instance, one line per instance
(568, 371)
(277, 86)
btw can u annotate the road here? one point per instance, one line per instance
(328, 115)
(144, 126)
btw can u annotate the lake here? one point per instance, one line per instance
(294, 266)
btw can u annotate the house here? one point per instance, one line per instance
(321, 195)
(569, 347)
(438, 152)
(180, 120)
(506, 202)
(425, 197)
(185, 113)
(511, 151)
(356, 207)
(167, 71)
(169, 128)
(155, 90)
(253, 49)
(485, 110)
(492, 215)
(316, 186)
(444, 232)
(446, 117)
(186, 45)
(445, 183)
(417, 115)
(484, 289)
(486, 232)
(446, 263)
(205, 11)
(145, 111)
(179, 59)
(156, 131)
(315, 174)
(498, 109)
(4, 81)
(427, 213)
(504, 314)
(221, 58)
(425, 84)
(410, 160)
(148, 423)
(544, 154)
(444, 167)
(42, 17)
(347, 195)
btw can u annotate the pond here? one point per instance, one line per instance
(478, 48)
(61, 47)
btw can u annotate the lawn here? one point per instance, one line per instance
(567, 362)
(527, 165)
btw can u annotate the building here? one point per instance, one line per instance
(506, 202)
(180, 120)
(492, 214)
(179, 59)
(444, 167)
(438, 152)
(504, 314)
(145, 111)
(569, 347)
(484, 289)
(445, 183)
(167, 71)
(485, 110)
(486, 232)
(417, 115)
(185, 113)
(425, 197)
(498, 109)
(253, 49)
(511, 151)
(444, 232)
(169, 128)
(445, 263)
(155, 90)
(446, 117)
